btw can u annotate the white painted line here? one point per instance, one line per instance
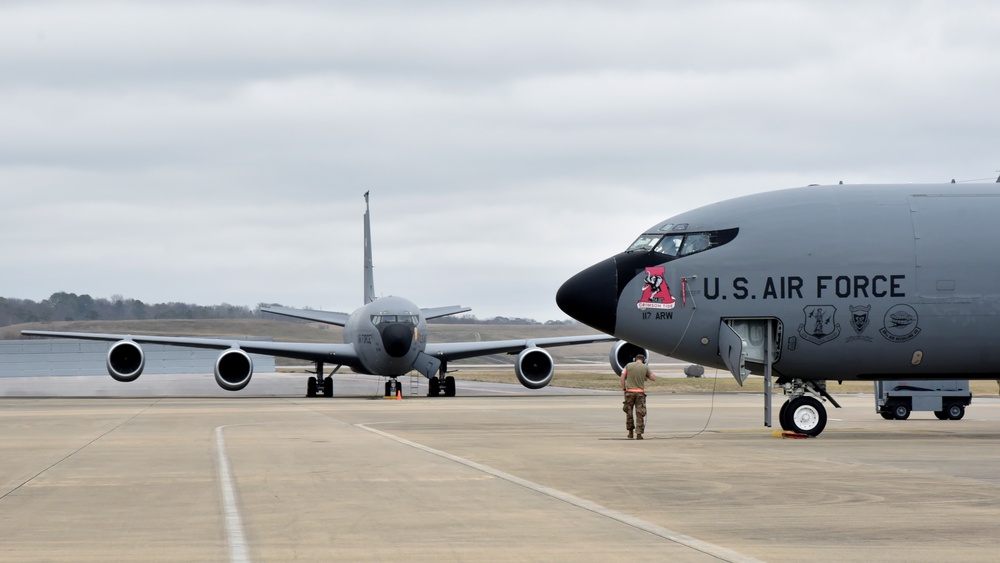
(234, 522)
(665, 533)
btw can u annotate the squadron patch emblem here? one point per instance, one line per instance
(900, 324)
(655, 293)
(859, 322)
(819, 326)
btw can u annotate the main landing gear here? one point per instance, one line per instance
(442, 382)
(803, 413)
(320, 385)
(435, 387)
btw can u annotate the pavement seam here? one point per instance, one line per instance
(78, 450)
(710, 549)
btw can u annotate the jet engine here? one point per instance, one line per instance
(622, 353)
(233, 369)
(125, 361)
(534, 368)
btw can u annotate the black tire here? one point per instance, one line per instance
(311, 387)
(449, 386)
(806, 415)
(955, 411)
(433, 387)
(328, 387)
(901, 411)
(886, 415)
(782, 420)
(941, 415)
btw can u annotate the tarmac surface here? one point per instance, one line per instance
(498, 473)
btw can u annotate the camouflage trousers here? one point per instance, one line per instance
(635, 401)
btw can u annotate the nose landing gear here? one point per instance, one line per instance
(803, 413)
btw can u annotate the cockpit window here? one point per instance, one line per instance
(669, 245)
(385, 318)
(695, 242)
(682, 244)
(645, 242)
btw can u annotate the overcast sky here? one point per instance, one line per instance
(211, 152)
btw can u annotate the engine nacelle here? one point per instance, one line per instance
(622, 353)
(125, 361)
(233, 369)
(534, 368)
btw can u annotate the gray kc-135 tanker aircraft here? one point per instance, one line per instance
(386, 336)
(866, 282)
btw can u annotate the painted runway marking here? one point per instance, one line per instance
(665, 533)
(234, 522)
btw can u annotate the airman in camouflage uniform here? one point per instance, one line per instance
(633, 380)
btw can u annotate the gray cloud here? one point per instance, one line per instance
(217, 151)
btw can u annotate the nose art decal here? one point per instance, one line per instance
(655, 292)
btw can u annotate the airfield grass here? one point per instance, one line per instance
(718, 381)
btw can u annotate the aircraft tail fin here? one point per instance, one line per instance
(369, 277)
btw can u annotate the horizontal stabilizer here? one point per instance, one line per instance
(339, 319)
(436, 312)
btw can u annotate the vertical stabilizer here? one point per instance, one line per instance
(369, 278)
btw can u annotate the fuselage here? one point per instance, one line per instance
(858, 282)
(387, 334)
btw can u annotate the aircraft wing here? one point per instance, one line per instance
(328, 317)
(342, 354)
(460, 350)
(435, 312)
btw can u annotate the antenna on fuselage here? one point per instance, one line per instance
(369, 277)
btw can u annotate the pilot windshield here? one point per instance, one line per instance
(669, 245)
(644, 243)
(681, 244)
(384, 318)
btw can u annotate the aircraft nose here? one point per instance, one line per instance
(591, 296)
(396, 339)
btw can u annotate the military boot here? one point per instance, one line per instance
(629, 434)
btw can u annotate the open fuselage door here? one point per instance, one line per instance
(731, 348)
(753, 340)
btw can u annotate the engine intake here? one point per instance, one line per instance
(233, 369)
(534, 368)
(125, 361)
(622, 353)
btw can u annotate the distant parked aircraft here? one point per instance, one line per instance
(386, 336)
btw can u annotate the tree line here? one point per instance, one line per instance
(62, 306)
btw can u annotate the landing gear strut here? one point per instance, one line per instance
(319, 384)
(436, 385)
(803, 413)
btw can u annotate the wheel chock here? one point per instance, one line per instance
(789, 434)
